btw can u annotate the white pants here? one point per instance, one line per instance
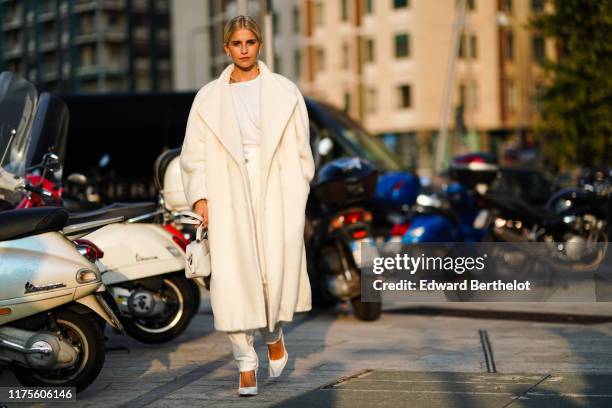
(242, 341)
(245, 355)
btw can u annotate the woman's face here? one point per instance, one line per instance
(243, 47)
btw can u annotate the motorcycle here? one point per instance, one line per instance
(587, 208)
(338, 229)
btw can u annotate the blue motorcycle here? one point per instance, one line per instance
(453, 216)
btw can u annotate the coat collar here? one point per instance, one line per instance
(277, 105)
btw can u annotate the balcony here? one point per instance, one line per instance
(116, 34)
(142, 6)
(11, 23)
(47, 46)
(13, 53)
(82, 6)
(118, 5)
(87, 70)
(86, 37)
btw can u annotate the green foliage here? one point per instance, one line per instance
(576, 103)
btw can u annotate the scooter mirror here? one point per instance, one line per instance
(51, 162)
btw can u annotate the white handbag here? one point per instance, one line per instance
(197, 254)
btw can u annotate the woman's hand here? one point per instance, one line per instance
(201, 208)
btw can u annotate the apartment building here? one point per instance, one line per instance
(88, 45)
(386, 62)
(197, 38)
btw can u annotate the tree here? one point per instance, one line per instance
(576, 102)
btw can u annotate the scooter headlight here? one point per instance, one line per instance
(87, 276)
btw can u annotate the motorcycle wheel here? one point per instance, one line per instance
(366, 311)
(83, 331)
(156, 330)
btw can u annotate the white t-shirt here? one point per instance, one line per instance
(245, 96)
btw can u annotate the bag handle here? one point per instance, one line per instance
(199, 234)
(189, 217)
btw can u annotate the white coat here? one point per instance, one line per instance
(213, 167)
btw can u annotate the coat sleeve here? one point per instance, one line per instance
(193, 157)
(303, 133)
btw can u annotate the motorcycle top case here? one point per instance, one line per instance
(474, 168)
(346, 181)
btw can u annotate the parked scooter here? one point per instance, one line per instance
(52, 300)
(338, 224)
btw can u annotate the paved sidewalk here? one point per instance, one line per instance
(429, 355)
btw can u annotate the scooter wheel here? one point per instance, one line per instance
(165, 328)
(83, 331)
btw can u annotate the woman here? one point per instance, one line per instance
(246, 165)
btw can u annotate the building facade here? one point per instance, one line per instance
(88, 45)
(386, 63)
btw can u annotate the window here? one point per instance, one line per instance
(368, 6)
(297, 63)
(507, 6)
(404, 96)
(400, 3)
(296, 20)
(462, 95)
(468, 94)
(537, 6)
(538, 95)
(468, 46)
(511, 96)
(402, 45)
(344, 11)
(372, 100)
(319, 13)
(538, 48)
(347, 101)
(275, 18)
(369, 52)
(509, 49)
(320, 59)
(469, 4)
(345, 55)
(473, 46)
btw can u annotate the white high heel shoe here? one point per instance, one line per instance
(247, 391)
(275, 367)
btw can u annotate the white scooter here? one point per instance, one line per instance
(52, 300)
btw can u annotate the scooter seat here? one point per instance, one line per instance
(15, 224)
(125, 210)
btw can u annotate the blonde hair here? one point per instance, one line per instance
(238, 23)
